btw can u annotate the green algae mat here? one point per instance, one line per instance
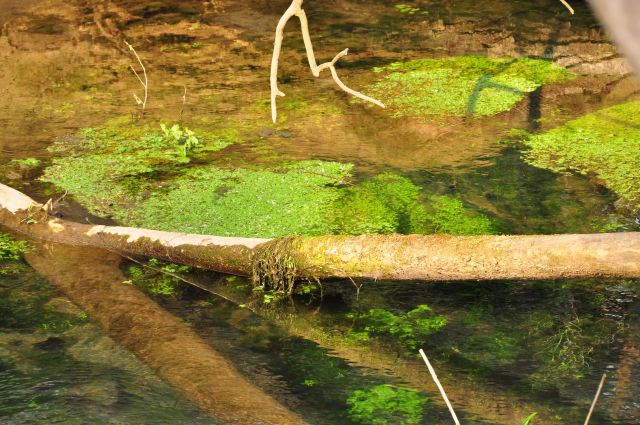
(461, 86)
(141, 177)
(604, 144)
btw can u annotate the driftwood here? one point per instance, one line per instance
(396, 257)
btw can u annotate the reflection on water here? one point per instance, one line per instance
(57, 367)
(508, 348)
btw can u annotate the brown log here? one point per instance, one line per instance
(397, 257)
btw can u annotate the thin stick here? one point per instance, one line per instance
(144, 83)
(184, 101)
(295, 9)
(595, 399)
(568, 6)
(439, 385)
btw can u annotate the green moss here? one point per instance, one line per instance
(387, 203)
(462, 86)
(605, 144)
(496, 348)
(386, 404)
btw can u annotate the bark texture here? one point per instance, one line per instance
(397, 257)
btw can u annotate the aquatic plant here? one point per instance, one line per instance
(391, 203)
(529, 418)
(27, 162)
(285, 201)
(156, 277)
(11, 250)
(109, 167)
(138, 176)
(386, 404)
(410, 10)
(604, 144)
(410, 329)
(181, 136)
(462, 86)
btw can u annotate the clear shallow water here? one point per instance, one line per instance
(496, 361)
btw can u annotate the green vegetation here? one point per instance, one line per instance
(181, 136)
(410, 329)
(108, 168)
(386, 404)
(157, 277)
(27, 162)
(390, 203)
(11, 250)
(449, 215)
(604, 144)
(142, 178)
(461, 86)
(410, 10)
(529, 418)
(565, 346)
(287, 200)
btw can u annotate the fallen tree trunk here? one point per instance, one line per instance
(397, 257)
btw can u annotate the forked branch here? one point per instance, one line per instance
(295, 9)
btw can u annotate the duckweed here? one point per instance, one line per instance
(605, 144)
(462, 86)
(142, 178)
(107, 168)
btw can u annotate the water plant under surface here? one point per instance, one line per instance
(410, 329)
(11, 250)
(386, 404)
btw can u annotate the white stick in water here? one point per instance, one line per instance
(595, 399)
(568, 6)
(435, 379)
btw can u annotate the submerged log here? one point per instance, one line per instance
(395, 257)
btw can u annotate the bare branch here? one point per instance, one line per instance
(295, 9)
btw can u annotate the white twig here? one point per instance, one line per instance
(295, 9)
(439, 385)
(145, 83)
(595, 398)
(568, 6)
